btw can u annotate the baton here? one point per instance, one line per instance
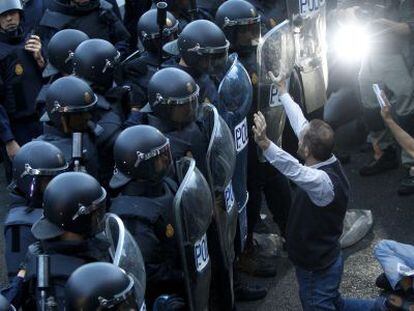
(43, 271)
(161, 21)
(77, 151)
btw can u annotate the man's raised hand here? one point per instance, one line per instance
(259, 130)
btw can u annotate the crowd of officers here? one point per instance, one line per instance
(126, 118)
(95, 112)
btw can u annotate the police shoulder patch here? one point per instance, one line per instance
(169, 231)
(18, 69)
(254, 78)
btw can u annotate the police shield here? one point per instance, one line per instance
(126, 254)
(235, 101)
(308, 18)
(221, 161)
(193, 209)
(276, 54)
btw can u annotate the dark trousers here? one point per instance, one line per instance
(264, 179)
(319, 290)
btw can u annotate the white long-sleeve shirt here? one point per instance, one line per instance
(315, 182)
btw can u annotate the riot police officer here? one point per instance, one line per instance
(97, 62)
(102, 286)
(203, 51)
(69, 106)
(140, 70)
(173, 109)
(96, 18)
(143, 161)
(60, 51)
(74, 209)
(241, 23)
(34, 166)
(20, 81)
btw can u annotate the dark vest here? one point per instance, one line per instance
(313, 231)
(21, 78)
(102, 22)
(18, 236)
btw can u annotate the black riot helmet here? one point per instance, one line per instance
(240, 22)
(173, 96)
(61, 49)
(102, 286)
(34, 166)
(14, 34)
(203, 47)
(149, 33)
(70, 99)
(95, 61)
(142, 153)
(73, 202)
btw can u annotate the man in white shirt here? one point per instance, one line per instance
(315, 220)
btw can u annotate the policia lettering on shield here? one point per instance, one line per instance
(315, 221)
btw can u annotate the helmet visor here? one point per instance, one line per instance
(243, 35)
(155, 168)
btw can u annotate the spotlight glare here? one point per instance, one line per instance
(351, 43)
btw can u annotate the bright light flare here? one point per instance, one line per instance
(351, 43)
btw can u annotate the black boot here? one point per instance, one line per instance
(388, 161)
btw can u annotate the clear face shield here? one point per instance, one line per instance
(37, 180)
(214, 59)
(179, 111)
(243, 33)
(95, 213)
(131, 298)
(156, 164)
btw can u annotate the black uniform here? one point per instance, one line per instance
(33, 12)
(20, 81)
(17, 234)
(189, 140)
(98, 20)
(147, 211)
(138, 72)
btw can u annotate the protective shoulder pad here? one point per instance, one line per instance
(20, 216)
(56, 20)
(134, 206)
